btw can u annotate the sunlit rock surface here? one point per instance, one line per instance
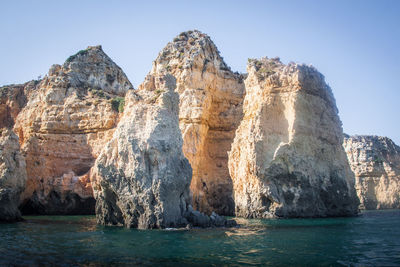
(287, 158)
(375, 161)
(67, 119)
(210, 110)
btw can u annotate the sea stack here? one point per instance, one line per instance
(287, 158)
(141, 179)
(210, 109)
(375, 161)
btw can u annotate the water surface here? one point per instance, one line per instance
(368, 240)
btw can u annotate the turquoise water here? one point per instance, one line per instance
(370, 239)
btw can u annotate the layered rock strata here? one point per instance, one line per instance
(12, 175)
(375, 161)
(210, 110)
(287, 158)
(141, 178)
(66, 121)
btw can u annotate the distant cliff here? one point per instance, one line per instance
(375, 161)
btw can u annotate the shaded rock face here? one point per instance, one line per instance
(286, 158)
(210, 110)
(12, 176)
(12, 99)
(142, 177)
(375, 161)
(64, 125)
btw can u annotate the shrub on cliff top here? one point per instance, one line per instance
(81, 52)
(118, 104)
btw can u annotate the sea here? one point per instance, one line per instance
(371, 239)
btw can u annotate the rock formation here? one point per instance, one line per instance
(12, 164)
(287, 159)
(375, 161)
(210, 110)
(12, 99)
(142, 178)
(66, 121)
(12, 176)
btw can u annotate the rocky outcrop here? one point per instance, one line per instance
(287, 159)
(375, 161)
(142, 178)
(12, 99)
(210, 110)
(12, 176)
(67, 119)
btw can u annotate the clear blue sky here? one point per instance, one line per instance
(355, 44)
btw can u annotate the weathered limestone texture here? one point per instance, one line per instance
(12, 99)
(67, 119)
(141, 179)
(12, 176)
(375, 161)
(210, 110)
(287, 158)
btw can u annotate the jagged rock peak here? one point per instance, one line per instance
(210, 109)
(90, 68)
(375, 161)
(189, 50)
(62, 128)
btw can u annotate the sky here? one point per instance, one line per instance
(355, 44)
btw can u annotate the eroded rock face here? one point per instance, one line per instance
(210, 110)
(12, 99)
(375, 161)
(287, 159)
(66, 122)
(142, 177)
(12, 175)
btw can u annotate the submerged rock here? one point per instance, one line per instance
(68, 117)
(210, 110)
(287, 158)
(375, 161)
(12, 176)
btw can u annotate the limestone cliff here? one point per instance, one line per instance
(67, 119)
(12, 175)
(375, 161)
(12, 99)
(287, 158)
(12, 164)
(210, 110)
(142, 178)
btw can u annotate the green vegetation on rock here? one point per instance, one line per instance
(118, 104)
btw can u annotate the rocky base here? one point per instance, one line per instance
(71, 204)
